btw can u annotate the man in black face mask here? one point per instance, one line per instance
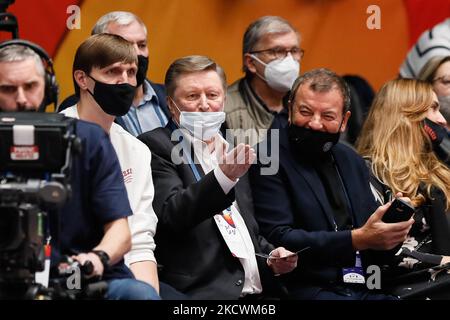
(148, 108)
(104, 73)
(320, 197)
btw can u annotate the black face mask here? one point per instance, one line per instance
(436, 132)
(142, 69)
(114, 99)
(311, 144)
(20, 108)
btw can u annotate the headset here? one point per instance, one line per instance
(51, 86)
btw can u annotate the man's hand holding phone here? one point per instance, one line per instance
(385, 233)
(400, 210)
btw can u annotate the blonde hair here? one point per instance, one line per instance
(395, 141)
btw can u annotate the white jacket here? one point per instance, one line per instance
(134, 158)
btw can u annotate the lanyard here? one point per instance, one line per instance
(226, 214)
(194, 168)
(348, 203)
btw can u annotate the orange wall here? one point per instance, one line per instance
(334, 33)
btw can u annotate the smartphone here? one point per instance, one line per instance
(399, 210)
(266, 256)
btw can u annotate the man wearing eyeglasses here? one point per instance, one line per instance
(271, 62)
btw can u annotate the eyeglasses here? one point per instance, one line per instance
(281, 53)
(445, 80)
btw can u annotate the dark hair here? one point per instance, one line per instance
(102, 50)
(321, 80)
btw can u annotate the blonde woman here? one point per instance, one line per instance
(398, 149)
(437, 72)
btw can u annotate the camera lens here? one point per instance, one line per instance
(9, 228)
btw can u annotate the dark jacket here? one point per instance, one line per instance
(293, 210)
(194, 257)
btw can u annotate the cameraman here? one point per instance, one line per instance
(92, 225)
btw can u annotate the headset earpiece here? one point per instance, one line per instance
(51, 86)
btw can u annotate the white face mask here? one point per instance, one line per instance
(202, 125)
(280, 74)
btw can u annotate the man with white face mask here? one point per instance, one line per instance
(271, 62)
(207, 236)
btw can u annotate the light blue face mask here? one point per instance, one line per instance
(202, 125)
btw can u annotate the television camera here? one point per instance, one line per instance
(35, 162)
(8, 22)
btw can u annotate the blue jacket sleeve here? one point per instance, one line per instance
(279, 222)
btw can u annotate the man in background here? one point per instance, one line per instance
(271, 59)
